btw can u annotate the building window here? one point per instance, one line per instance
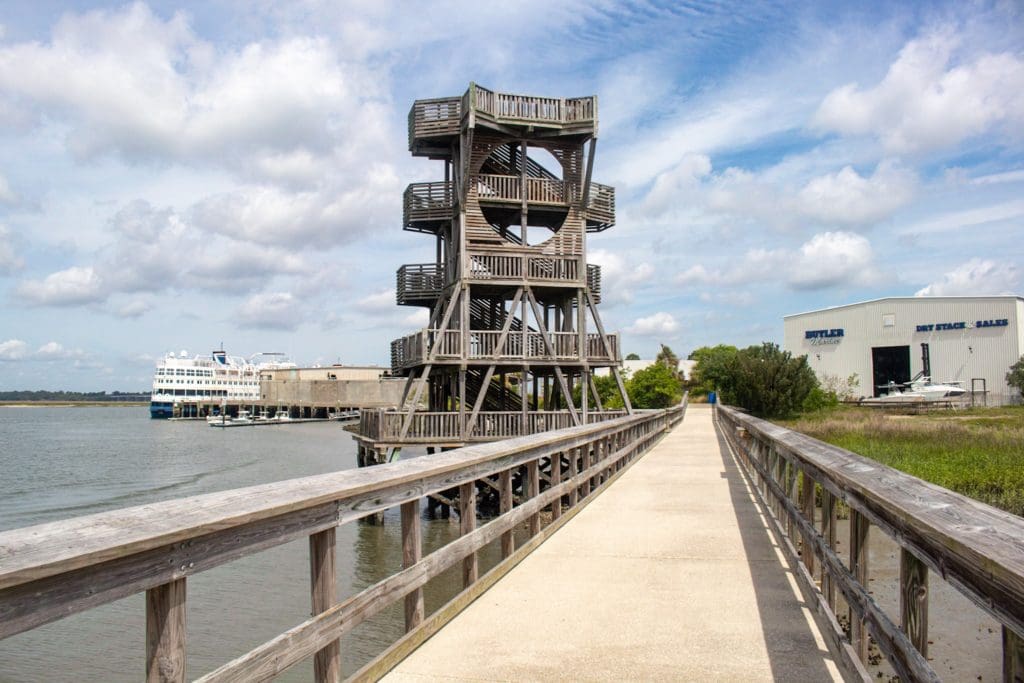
(889, 320)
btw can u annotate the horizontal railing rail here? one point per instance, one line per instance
(435, 118)
(508, 107)
(977, 549)
(417, 282)
(416, 348)
(594, 282)
(54, 570)
(600, 209)
(518, 266)
(508, 188)
(428, 203)
(385, 425)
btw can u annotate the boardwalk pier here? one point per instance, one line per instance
(669, 573)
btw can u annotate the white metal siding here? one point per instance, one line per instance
(956, 355)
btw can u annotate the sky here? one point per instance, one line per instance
(175, 176)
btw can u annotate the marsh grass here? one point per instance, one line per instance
(977, 452)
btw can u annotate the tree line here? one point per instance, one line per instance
(29, 396)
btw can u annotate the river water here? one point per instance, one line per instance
(57, 463)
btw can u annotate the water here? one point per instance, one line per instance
(57, 463)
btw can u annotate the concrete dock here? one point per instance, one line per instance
(671, 574)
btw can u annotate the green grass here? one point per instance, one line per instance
(977, 452)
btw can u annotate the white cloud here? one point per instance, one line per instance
(69, 287)
(155, 250)
(13, 349)
(271, 311)
(620, 273)
(377, 303)
(782, 196)
(976, 277)
(925, 102)
(659, 323)
(7, 195)
(828, 259)
(832, 259)
(677, 183)
(966, 218)
(55, 351)
(134, 84)
(134, 309)
(847, 198)
(418, 318)
(16, 349)
(9, 260)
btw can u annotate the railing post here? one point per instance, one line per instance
(807, 508)
(556, 479)
(412, 551)
(508, 541)
(574, 469)
(859, 526)
(323, 593)
(533, 481)
(828, 530)
(1013, 657)
(792, 481)
(165, 633)
(467, 523)
(914, 600)
(585, 462)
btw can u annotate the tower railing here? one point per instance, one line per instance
(506, 106)
(414, 349)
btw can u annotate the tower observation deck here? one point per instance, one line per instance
(514, 333)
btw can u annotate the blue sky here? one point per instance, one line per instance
(174, 176)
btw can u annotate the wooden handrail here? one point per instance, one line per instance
(53, 570)
(976, 548)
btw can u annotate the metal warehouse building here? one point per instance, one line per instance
(971, 340)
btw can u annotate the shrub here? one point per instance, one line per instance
(656, 386)
(769, 382)
(1015, 377)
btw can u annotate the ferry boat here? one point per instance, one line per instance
(215, 378)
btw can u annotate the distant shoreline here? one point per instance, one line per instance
(73, 404)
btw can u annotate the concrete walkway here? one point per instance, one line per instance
(670, 574)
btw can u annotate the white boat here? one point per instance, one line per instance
(243, 419)
(282, 416)
(921, 389)
(218, 377)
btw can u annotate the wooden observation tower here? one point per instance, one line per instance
(514, 334)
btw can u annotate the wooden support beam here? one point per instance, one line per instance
(412, 552)
(828, 532)
(165, 633)
(608, 351)
(442, 499)
(467, 524)
(859, 526)
(1013, 657)
(555, 478)
(507, 326)
(508, 541)
(551, 352)
(807, 508)
(533, 484)
(585, 196)
(479, 399)
(914, 600)
(323, 594)
(574, 469)
(597, 397)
